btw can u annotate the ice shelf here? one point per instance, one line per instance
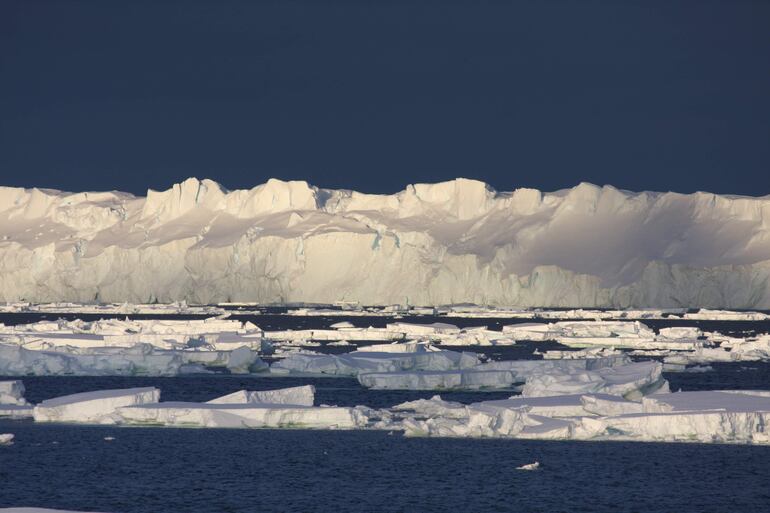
(290, 241)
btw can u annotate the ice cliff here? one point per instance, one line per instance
(450, 242)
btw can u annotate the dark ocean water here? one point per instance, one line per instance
(218, 470)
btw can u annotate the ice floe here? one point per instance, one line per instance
(466, 379)
(355, 363)
(631, 381)
(243, 415)
(717, 416)
(116, 347)
(98, 407)
(301, 396)
(12, 402)
(12, 392)
(618, 411)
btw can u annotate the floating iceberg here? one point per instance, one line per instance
(631, 381)
(98, 407)
(12, 392)
(139, 360)
(352, 364)
(301, 396)
(717, 416)
(465, 379)
(6, 439)
(12, 402)
(243, 415)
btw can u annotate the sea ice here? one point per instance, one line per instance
(243, 415)
(631, 381)
(300, 396)
(97, 407)
(467, 379)
(352, 364)
(12, 392)
(15, 411)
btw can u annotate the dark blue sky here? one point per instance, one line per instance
(661, 95)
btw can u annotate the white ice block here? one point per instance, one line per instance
(245, 415)
(631, 381)
(97, 407)
(15, 411)
(465, 379)
(301, 396)
(12, 392)
(352, 364)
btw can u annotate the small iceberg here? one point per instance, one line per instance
(529, 466)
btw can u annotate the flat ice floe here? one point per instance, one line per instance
(354, 363)
(243, 415)
(281, 408)
(168, 347)
(123, 347)
(301, 396)
(729, 417)
(632, 381)
(97, 407)
(466, 379)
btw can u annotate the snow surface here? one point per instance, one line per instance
(449, 242)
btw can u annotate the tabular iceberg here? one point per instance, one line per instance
(97, 407)
(298, 396)
(450, 242)
(243, 415)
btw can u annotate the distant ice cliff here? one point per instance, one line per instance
(450, 242)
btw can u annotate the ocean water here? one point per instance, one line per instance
(218, 470)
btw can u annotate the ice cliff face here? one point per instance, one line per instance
(449, 242)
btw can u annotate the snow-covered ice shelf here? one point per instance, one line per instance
(443, 243)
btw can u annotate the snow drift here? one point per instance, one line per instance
(450, 242)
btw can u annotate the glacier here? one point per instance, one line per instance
(452, 242)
